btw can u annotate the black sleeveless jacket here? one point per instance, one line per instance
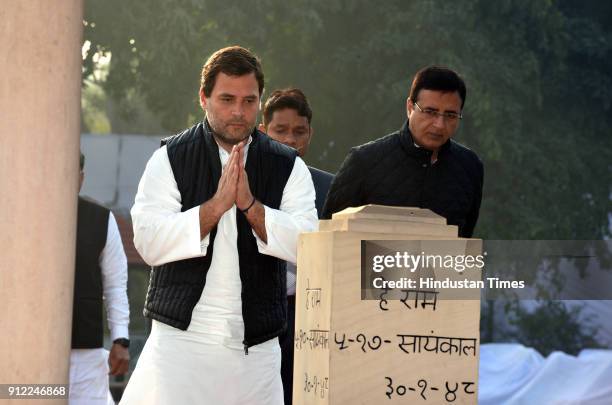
(92, 227)
(176, 287)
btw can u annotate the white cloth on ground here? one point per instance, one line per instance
(512, 374)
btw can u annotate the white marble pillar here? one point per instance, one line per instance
(40, 85)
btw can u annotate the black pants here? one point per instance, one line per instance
(287, 343)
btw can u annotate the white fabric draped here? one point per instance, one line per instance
(512, 374)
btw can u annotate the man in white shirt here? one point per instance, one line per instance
(100, 276)
(218, 209)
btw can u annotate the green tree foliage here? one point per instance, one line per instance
(539, 76)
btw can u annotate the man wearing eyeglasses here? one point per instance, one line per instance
(419, 165)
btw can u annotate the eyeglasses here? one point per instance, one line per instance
(446, 116)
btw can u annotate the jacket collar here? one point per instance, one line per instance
(407, 142)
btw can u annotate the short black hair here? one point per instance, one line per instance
(292, 98)
(233, 61)
(438, 78)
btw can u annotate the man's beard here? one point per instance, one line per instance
(225, 134)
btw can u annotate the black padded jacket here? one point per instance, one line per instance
(176, 287)
(393, 171)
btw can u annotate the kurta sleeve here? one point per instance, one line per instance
(162, 233)
(113, 264)
(297, 213)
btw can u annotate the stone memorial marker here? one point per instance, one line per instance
(404, 345)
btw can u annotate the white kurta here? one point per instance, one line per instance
(206, 364)
(89, 367)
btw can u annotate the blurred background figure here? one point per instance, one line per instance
(100, 277)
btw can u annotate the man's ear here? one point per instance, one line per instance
(203, 99)
(262, 128)
(311, 135)
(409, 107)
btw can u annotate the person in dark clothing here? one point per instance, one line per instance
(100, 281)
(287, 119)
(419, 165)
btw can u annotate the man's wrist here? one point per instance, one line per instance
(244, 204)
(248, 207)
(122, 342)
(212, 209)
